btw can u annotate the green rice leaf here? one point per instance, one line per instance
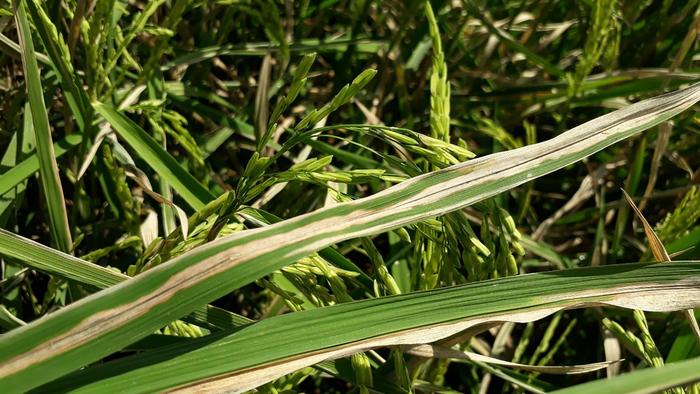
(645, 381)
(30, 165)
(48, 169)
(193, 192)
(246, 358)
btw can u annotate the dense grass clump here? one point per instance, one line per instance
(299, 196)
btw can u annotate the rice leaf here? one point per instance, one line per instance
(246, 358)
(645, 381)
(191, 190)
(48, 169)
(30, 165)
(95, 277)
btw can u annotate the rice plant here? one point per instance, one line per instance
(372, 197)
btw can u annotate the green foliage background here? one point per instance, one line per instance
(135, 131)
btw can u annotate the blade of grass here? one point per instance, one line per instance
(436, 351)
(645, 381)
(95, 277)
(60, 60)
(261, 49)
(20, 146)
(657, 248)
(108, 321)
(54, 262)
(14, 49)
(50, 180)
(248, 357)
(193, 192)
(30, 165)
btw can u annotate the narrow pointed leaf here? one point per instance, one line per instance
(30, 165)
(657, 248)
(75, 97)
(93, 276)
(20, 145)
(433, 351)
(50, 180)
(645, 381)
(279, 345)
(193, 192)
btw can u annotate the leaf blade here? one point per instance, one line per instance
(51, 182)
(191, 190)
(279, 345)
(645, 381)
